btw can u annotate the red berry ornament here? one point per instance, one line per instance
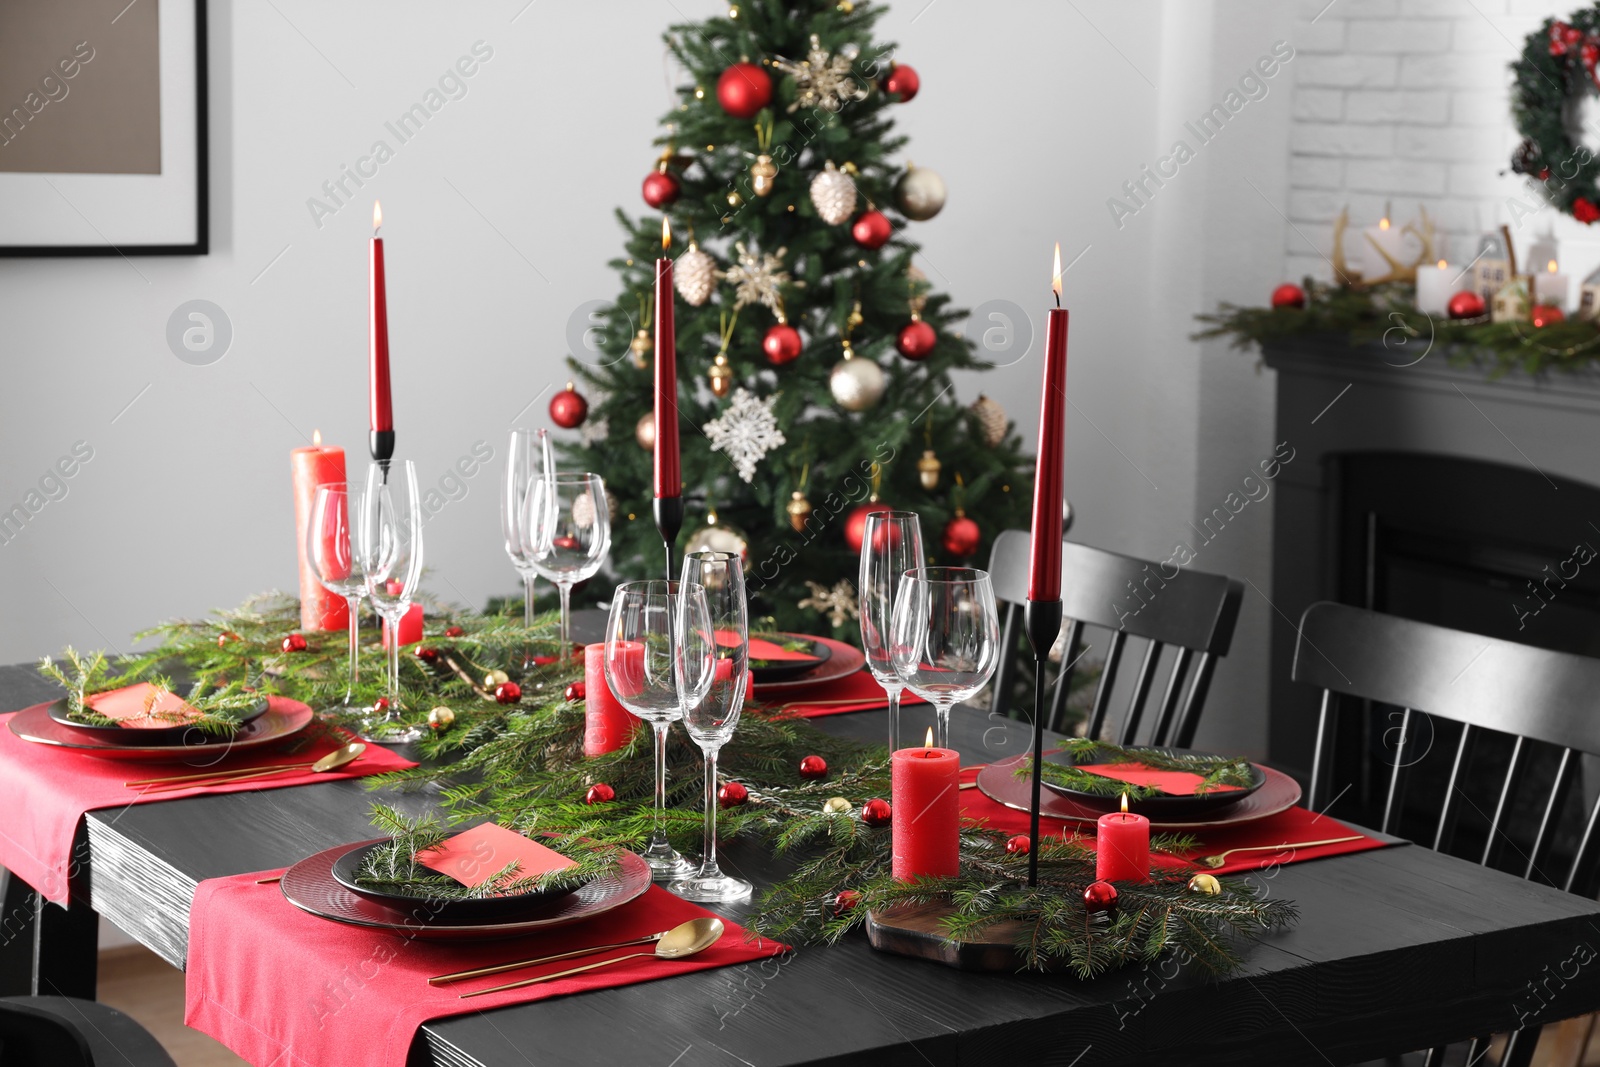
(744, 89)
(855, 525)
(1465, 305)
(916, 340)
(732, 794)
(813, 767)
(872, 230)
(902, 83)
(961, 536)
(453, 631)
(226, 638)
(294, 643)
(568, 408)
(781, 344)
(1288, 295)
(660, 188)
(576, 692)
(599, 793)
(1100, 897)
(508, 692)
(428, 655)
(1019, 845)
(877, 812)
(1546, 315)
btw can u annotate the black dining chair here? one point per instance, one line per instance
(68, 1032)
(1534, 696)
(1183, 616)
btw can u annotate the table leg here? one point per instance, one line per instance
(45, 949)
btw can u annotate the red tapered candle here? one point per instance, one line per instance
(926, 784)
(669, 477)
(1122, 846)
(382, 411)
(1044, 569)
(320, 464)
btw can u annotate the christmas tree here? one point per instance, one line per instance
(814, 360)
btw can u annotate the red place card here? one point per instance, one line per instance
(1172, 783)
(478, 854)
(143, 707)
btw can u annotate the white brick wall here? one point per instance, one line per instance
(1408, 100)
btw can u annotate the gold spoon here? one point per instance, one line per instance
(339, 757)
(696, 935)
(1222, 857)
(516, 965)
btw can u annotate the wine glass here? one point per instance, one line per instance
(390, 539)
(569, 528)
(891, 544)
(719, 644)
(523, 461)
(643, 670)
(331, 548)
(945, 636)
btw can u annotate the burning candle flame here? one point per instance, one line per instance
(928, 744)
(1443, 264)
(666, 233)
(316, 438)
(1552, 267)
(377, 216)
(1055, 283)
(1124, 803)
(1383, 223)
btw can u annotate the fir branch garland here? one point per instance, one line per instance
(1214, 771)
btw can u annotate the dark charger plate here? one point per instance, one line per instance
(780, 670)
(177, 734)
(1165, 806)
(488, 909)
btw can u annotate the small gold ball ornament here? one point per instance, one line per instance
(734, 199)
(845, 7)
(644, 431)
(441, 718)
(836, 805)
(718, 536)
(721, 376)
(1205, 884)
(762, 173)
(928, 468)
(641, 346)
(494, 678)
(799, 509)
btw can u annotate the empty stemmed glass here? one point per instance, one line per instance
(644, 672)
(569, 525)
(719, 644)
(331, 548)
(523, 461)
(390, 548)
(945, 636)
(891, 544)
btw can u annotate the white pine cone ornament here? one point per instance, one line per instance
(695, 274)
(991, 420)
(834, 193)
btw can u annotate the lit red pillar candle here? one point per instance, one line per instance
(1122, 846)
(381, 407)
(1044, 569)
(310, 467)
(926, 795)
(669, 478)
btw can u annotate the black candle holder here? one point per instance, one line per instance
(1042, 621)
(669, 520)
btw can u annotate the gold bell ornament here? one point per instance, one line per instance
(763, 170)
(721, 374)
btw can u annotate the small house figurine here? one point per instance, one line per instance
(1511, 302)
(1492, 265)
(1589, 297)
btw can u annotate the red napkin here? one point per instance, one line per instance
(853, 692)
(766, 651)
(1173, 783)
(279, 986)
(143, 707)
(48, 790)
(1287, 827)
(474, 856)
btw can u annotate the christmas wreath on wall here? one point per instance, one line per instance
(1557, 67)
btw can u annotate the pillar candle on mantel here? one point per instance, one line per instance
(1435, 287)
(380, 404)
(1550, 286)
(669, 478)
(1122, 846)
(320, 464)
(1044, 568)
(926, 791)
(607, 725)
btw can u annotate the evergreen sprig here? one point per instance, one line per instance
(220, 709)
(1214, 771)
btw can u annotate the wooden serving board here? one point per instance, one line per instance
(916, 930)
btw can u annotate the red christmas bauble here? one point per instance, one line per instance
(568, 408)
(508, 692)
(380, 705)
(1100, 897)
(1288, 295)
(428, 655)
(1465, 305)
(847, 899)
(599, 793)
(855, 524)
(916, 340)
(226, 638)
(781, 344)
(576, 692)
(732, 794)
(1584, 210)
(961, 537)
(743, 89)
(902, 83)
(813, 767)
(1546, 315)
(453, 631)
(1019, 845)
(294, 643)
(877, 812)
(660, 189)
(872, 230)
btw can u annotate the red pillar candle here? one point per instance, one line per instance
(382, 410)
(669, 478)
(1122, 846)
(310, 467)
(607, 725)
(926, 791)
(410, 622)
(1044, 569)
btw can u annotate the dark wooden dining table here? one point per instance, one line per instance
(1397, 948)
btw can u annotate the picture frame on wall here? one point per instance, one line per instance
(103, 128)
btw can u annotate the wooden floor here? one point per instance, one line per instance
(137, 981)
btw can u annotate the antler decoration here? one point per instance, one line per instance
(1423, 230)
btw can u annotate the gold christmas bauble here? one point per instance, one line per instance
(640, 346)
(834, 194)
(857, 384)
(762, 171)
(836, 805)
(928, 468)
(799, 509)
(695, 275)
(991, 421)
(440, 718)
(1205, 884)
(644, 431)
(717, 536)
(734, 199)
(919, 194)
(721, 376)
(494, 678)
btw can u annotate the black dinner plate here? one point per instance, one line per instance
(1166, 806)
(177, 734)
(486, 909)
(779, 670)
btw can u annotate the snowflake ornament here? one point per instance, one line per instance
(838, 603)
(746, 432)
(756, 277)
(595, 431)
(824, 80)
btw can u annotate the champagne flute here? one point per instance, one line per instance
(643, 670)
(891, 544)
(718, 643)
(391, 555)
(331, 548)
(569, 525)
(945, 636)
(523, 461)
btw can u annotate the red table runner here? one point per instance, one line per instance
(1285, 828)
(281, 987)
(854, 692)
(46, 791)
